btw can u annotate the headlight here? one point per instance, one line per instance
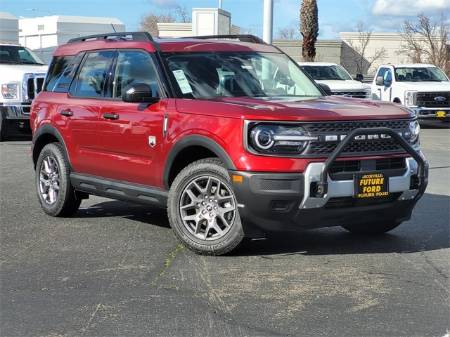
(10, 90)
(414, 128)
(410, 98)
(278, 139)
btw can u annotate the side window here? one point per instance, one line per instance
(61, 72)
(382, 71)
(134, 67)
(388, 75)
(93, 75)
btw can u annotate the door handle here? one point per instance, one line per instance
(67, 113)
(112, 116)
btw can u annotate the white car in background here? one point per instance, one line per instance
(336, 78)
(22, 76)
(423, 88)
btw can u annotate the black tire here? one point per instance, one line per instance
(66, 202)
(205, 168)
(378, 228)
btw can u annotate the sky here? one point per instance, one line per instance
(334, 15)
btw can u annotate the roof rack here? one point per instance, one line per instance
(240, 37)
(126, 36)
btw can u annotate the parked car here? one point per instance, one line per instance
(191, 125)
(22, 77)
(423, 88)
(336, 78)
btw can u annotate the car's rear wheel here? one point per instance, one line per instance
(55, 192)
(203, 210)
(376, 228)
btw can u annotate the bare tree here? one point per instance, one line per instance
(182, 14)
(149, 23)
(426, 41)
(309, 28)
(288, 33)
(360, 57)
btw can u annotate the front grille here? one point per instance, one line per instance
(34, 84)
(354, 94)
(356, 147)
(345, 166)
(433, 99)
(390, 164)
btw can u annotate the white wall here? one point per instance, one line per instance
(174, 29)
(9, 28)
(210, 21)
(51, 31)
(391, 42)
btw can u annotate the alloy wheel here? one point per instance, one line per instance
(49, 180)
(207, 208)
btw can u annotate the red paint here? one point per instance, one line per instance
(119, 149)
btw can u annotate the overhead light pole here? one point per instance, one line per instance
(268, 21)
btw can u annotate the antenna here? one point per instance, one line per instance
(112, 25)
(220, 4)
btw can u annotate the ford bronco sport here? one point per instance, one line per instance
(226, 132)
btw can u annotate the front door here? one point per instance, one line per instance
(132, 133)
(384, 91)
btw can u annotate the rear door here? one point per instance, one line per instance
(86, 96)
(132, 133)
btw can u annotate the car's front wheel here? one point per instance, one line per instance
(372, 228)
(55, 192)
(203, 210)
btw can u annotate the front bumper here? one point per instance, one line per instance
(319, 198)
(285, 202)
(16, 111)
(432, 113)
(16, 119)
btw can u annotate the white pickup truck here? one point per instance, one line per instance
(423, 88)
(22, 76)
(336, 78)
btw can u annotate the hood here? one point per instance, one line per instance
(319, 109)
(347, 85)
(15, 72)
(424, 86)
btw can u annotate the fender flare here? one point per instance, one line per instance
(47, 129)
(195, 140)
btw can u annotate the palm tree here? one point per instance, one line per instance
(309, 27)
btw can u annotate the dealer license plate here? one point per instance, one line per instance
(441, 114)
(371, 185)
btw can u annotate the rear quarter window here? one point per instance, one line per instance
(61, 73)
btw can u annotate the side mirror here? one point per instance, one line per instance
(379, 80)
(325, 88)
(359, 77)
(139, 93)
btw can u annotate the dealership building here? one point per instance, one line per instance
(44, 34)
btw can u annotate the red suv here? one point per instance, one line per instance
(226, 132)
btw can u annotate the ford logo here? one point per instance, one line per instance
(440, 99)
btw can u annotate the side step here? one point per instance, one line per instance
(119, 190)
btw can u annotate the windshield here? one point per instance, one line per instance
(422, 74)
(212, 75)
(18, 55)
(332, 72)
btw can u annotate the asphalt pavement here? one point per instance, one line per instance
(116, 269)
